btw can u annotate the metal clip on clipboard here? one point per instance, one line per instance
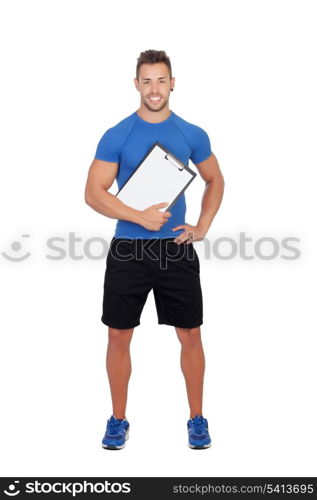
(173, 162)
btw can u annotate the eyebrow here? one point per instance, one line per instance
(159, 78)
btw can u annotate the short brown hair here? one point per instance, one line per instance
(152, 57)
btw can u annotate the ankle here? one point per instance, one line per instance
(119, 416)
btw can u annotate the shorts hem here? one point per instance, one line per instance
(119, 327)
(180, 325)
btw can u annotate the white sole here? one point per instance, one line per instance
(204, 446)
(116, 447)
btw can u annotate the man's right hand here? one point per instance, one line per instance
(151, 218)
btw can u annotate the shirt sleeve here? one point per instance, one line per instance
(201, 149)
(107, 149)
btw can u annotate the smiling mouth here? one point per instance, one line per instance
(155, 99)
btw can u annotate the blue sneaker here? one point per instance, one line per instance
(198, 434)
(116, 434)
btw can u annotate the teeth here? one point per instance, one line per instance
(155, 98)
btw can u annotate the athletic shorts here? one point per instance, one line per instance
(136, 266)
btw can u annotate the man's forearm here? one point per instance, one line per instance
(211, 202)
(109, 205)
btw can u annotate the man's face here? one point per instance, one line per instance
(154, 85)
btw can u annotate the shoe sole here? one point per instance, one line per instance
(112, 447)
(202, 447)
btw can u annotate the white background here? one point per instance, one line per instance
(245, 72)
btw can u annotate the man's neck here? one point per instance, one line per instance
(153, 116)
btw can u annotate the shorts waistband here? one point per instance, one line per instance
(121, 238)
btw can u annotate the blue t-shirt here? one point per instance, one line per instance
(128, 142)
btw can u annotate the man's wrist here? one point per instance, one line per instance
(136, 216)
(203, 227)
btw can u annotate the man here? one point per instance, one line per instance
(162, 236)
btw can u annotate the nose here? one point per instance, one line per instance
(154, 88)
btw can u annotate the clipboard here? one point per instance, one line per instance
(159, 177)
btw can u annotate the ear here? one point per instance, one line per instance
(172, 83)
(136, 83)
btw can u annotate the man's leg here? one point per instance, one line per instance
(193, 366)
(118, 363)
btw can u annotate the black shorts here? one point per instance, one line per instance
(136, 266)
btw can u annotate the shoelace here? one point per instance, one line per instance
(199, 424)
(114, 426)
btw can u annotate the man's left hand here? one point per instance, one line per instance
(190, 234)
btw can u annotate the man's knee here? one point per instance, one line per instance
(189, 336)
(120, 338)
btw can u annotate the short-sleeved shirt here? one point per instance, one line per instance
(128, 142)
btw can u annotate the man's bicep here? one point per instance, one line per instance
(101, 174)
(209, 168)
